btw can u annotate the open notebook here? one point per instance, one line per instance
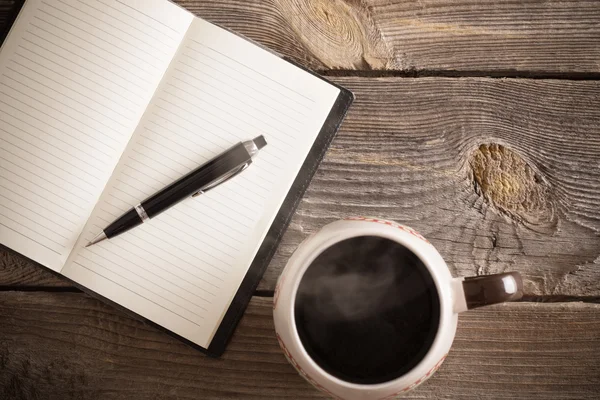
(104, 102)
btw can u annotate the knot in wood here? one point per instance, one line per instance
(340, 34)
(512, 186)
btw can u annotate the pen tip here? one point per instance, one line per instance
(97, 239)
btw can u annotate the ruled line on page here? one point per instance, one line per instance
(36, 157)
(220, 129)
(58, 120)
(22, 225)
(138, 244)
(138, 294)
(52, 126)
(243, 81)
(170, 121)
(175, 234)
(11, 191)
(242, 123)
(256, 72)
(201, 63)
(121, 12)
(227, 102)
(173, 212)
(172, 256)
(135, 266)
(176, 133)
(107, 61)
(98, 94)
(33, 211)
(172, 265)
(232, 194)
(78, 65)
(242, 129)
(146, 15)
(36, 222)
(29, 238)
(70, 146)
(158, 38)
(200, 73)
(63, 104)
(96, 46)
(122, 275)
(107, 68)
(45, 200)
(63, 113)
(179, 153)
(183, 169)
(104, 31)
(82, 31)
(61, 159)
(116, 27)
(179, 247)
(38, 186)
(233, 198)
(61, 93)
(7, 155)
(137, 260)
(162, 164)
(105, 220)
(147, 168)
(226, 81)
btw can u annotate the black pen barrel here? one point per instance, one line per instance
(196, 180)
(183, 188)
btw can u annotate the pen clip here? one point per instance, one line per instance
(230, 175)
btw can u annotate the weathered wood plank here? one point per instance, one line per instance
(17, 271)
(70, 346)
(410, 151)
(421, 151)
(432, 36)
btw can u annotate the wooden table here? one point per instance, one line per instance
(477, 123)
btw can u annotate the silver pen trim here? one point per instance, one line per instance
(251, 148)
(142, 213)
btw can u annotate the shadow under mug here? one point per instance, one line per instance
(455, 295)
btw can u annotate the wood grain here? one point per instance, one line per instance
(416, 36)
(499, 174)
(412, 150)
(70, 346)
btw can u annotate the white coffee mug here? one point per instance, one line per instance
(455, 295)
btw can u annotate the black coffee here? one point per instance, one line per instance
(367, 310)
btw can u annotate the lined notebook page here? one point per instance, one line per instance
(75, 79)
(183, 268)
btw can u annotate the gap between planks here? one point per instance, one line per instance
(424, 73)
(271, 293)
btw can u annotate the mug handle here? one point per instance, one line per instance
(479, 291)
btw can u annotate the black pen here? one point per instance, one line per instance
(209, 175)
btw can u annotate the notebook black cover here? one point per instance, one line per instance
(269, 246)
